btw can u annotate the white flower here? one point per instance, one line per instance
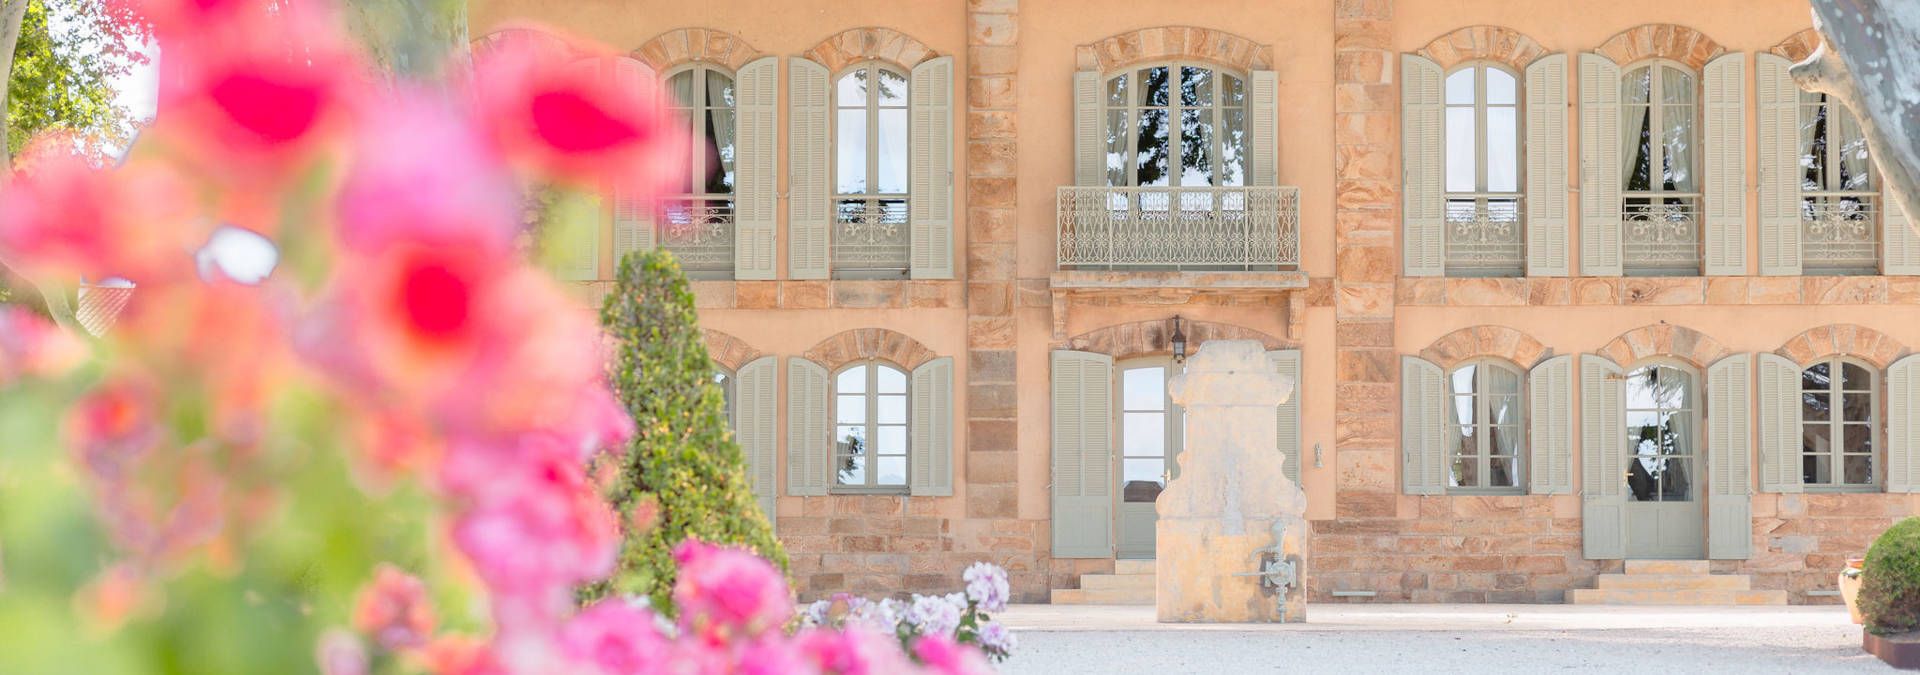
(936, 615)
(995, 638)
(987, 586)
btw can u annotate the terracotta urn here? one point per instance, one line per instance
(1850, 588)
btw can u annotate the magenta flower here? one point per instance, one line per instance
(617, 637)
(725, 592)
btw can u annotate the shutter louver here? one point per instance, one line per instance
(1082, 455)
(1547, 166)
(1729, 459)
(930, 202)
(1422, 140)
(758, 401)
(809, 202)
(1550, 443)
(1726, 165)
(931, 453)
(1902, 249)
(1779, 120)
(809, 443)
(1422, 397)
(633, 216)
(1263, 156)
(1602, 472)
(1600, 254)
(756, 169)
(1903, 426)
(1778, 424)
(1089, 131)
(1779, 395)
(1286, 362)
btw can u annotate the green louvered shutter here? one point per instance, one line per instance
(1600, 252)
(1729, 459)
(1423, 158)
(809, 440)
(1550, 416)
(1603, 434)
(930, 454)
(1422, 440)
(1083, 410)
(757, 401)
(1547, 166)
(757, 143)
(930, 170)
(1779, 396)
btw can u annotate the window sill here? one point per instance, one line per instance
(1486, 492)
(1841, 489)
(888, 491)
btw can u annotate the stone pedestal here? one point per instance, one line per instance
(1218, 518)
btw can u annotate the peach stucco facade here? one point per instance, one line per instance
(1346, 306)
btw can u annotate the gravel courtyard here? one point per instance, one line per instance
(1435, 639)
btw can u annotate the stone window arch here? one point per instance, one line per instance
(857, 344)
(1474, 342)
(1843, 340)
(1680, 44)
(869, 43)
(1173, 43)
(682, 46)
(1694, 348)
(1496, 44)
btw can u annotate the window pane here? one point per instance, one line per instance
(1816, 438)
(1462, 380)
(1233, 90)
(1503, 150)
(851, 156)
(1500, 87)
(1464, 440)
(1461, 150)
(893, 151)
(1151, 149)
(720, 149)
(1858, 469)
(1117, 147)
(1855, 378)
(1814, 136)
(850, 409)
(893, 471)
(893, 409)
(853, 89)
(1504, 440)
(1677, 138)
(1501, 380)
(1144, 388)
(852, 470)
(1196, 86)
(892, 381)
(682, 86)
(1676, 85)
(1196, 147)
(850, 439)
(892, 440)
(1815, 406)
(852, 380)
(1816, 378)
(1858, 438)
(1676, 480)
(1504, 409)
(1856, 165)
(1143, 434)
(1233, 149)
(1117, 92)
(1636, 134)
(719, 89)
(1500, 472)
(1464, 413)
(1465, 472)
(1153, 86)
(1460, 87)
(1634, 87)
(1141, 479)
(893, 88)
(1856, 407)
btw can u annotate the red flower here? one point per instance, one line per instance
(68, 219)
(590, 122)
(394, 610)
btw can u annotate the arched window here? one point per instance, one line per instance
(870, 426)
(1662, 434)
(698, 223)
(1660, 215)
(1176, 125)
(1837, 427)
(1484, 238)
(1484, 432)
(724, 379)
(1839, 231)
(870, 234)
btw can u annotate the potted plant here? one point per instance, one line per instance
(1890, 596)
(1850, 587)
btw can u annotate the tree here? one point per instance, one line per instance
(60, 74)
(424, 40)
(682, 468)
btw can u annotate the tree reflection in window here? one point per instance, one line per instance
(1660, 434)
(870, 426)
(1837, 424)
(1150, 116)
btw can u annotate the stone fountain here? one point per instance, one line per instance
(1232, 529)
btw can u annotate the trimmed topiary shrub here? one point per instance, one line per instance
(1890, 580)
(682, 475)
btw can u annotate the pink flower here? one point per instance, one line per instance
(460, 655)
(66, 220)
(340, 653)
(773, 654)
(32, 345)
(726, 591)
(589, 122)
(422, 175)
(944, 656)
(617, 637)
(394, 610)
(856, 650)
(537, 528)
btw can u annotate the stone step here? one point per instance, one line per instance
(1093, 581)
(1133, 566)
(1675, 582)
(1611, 596)
(1668, 567)
(1103, 596)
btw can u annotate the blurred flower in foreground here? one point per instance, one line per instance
(587, 122)
(31, 345)
(394, 610)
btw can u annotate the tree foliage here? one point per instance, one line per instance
(1890, 580)
(67, 58)
(682, 470)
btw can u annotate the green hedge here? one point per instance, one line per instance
(683, 458)
(1890, 580)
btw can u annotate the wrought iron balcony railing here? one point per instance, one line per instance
(700, 235)
(1182, 228)
(1484, 235)
(1660, 232)
(1839, 232)
(871, 237)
